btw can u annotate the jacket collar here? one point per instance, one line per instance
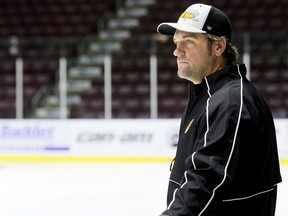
(217, 79)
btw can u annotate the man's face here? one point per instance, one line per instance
(194, 57)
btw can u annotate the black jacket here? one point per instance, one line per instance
(227, 160)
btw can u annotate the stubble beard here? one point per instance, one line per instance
(189, 74)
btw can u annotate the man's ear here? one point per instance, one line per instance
(220, 46)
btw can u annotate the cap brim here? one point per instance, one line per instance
(170, 28)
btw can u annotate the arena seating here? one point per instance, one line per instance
(51, 17)
(42, 32)
(49, 29)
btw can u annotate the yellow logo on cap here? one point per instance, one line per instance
(187, 15)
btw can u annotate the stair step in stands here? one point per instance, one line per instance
(82, 72)
(104, 46)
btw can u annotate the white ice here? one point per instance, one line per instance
(92, 189)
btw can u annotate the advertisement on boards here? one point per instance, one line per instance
(101, 138)
(105, 138)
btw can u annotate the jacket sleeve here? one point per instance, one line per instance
(206, 168)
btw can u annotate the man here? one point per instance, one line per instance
(227, 160)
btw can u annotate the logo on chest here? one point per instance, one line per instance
(188, 126)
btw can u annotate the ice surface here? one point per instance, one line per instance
(86, 189)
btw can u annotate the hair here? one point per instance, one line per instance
(231, 54)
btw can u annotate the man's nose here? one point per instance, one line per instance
(178, 51)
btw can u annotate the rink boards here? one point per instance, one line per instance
(137, 140)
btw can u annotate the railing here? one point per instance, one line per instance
(245, 47)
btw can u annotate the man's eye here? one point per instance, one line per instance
(188, 41)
